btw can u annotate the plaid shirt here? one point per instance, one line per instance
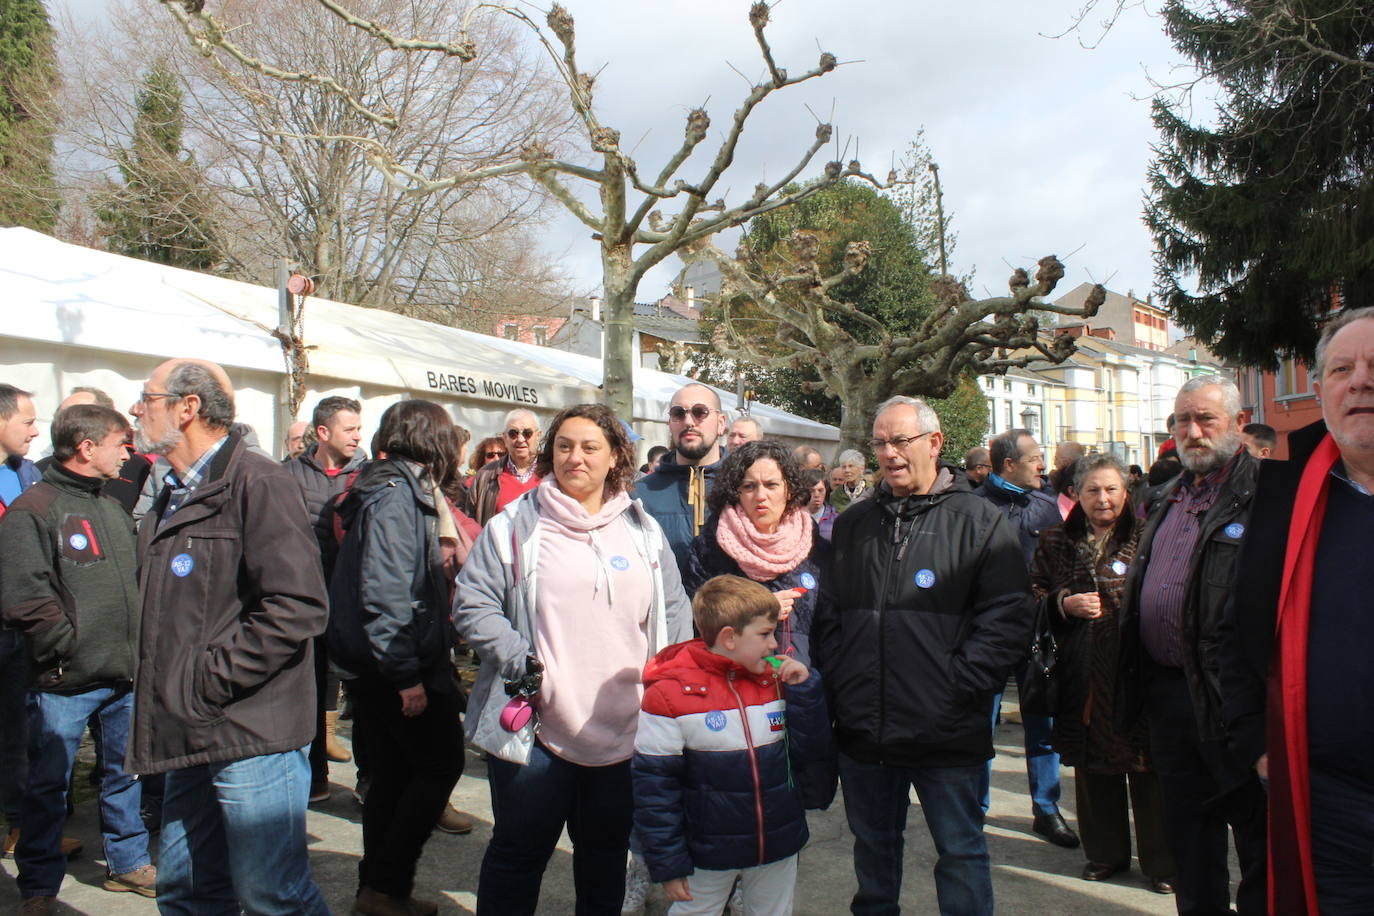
(183, 487)
(1165, 586)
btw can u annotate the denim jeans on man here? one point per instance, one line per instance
(1042, 761)
(14, 742)
(233, 839)
(56, 724)
(876, 799)
(530, 804)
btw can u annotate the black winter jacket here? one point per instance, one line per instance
(707, 559)
(232, 599)
(1029, 513)
(69, 581)
(389, 599)
(319, 490)
(1209, 584)
(924, 611)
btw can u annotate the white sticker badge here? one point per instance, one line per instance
(78, 541)
(808, 581)
(1235, 530)
(925, 578)
(1118, 567)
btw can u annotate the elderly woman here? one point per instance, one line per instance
(761, 528)
(565, 596)
(852, 486)
(1079, 573)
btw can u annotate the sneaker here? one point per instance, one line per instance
(636, 887)
(454, 821)
(38, 906)
(141, 881)
(319, 791)
(70, 845)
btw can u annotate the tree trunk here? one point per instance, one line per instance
(854, 429)
(617, 319)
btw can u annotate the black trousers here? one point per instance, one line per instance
(1196, 816)
(326, 700)
(416, 762)
(1104, 820)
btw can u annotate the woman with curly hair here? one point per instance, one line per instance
(492, 448)
(566, 595)
(761, 528)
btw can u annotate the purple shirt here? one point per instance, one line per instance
(1165, 585)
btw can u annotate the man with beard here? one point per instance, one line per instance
(1171, 618)
(675, 494)
(501, 482)
(224, 692)
(1298, 689)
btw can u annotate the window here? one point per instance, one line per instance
(1006, 384)
(541, 334)
(1030, 391)
(1292, 380)
(510, 331)
(1010, 417)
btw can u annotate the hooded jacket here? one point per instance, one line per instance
(716, 760)
(70, 582)
(666, 496)
(1030, 512)
(231, 597)
(389, 598)
(924, 612)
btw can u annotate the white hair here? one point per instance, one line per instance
(925, 414)
(850, 456)
(1230, 394)
(519, 412)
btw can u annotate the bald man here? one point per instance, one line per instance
(232, 596)
(295, 440)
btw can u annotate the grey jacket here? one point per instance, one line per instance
(496, 601)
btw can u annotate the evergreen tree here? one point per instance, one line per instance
(28, 80)
(1264, 217)
(158, 213)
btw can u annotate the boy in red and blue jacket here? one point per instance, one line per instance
(725, 731)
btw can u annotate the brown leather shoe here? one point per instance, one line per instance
(1101, 871)
(375, 903)
(454, 821)
(423, 907)
(70, 845)
(38, 906)
(141, 881)
(1160, 885)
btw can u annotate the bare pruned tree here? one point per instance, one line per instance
(286, 164)
(960, 333)
(639, 217)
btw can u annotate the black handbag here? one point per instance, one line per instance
(1040, 690)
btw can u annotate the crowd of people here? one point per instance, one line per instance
(676, 660)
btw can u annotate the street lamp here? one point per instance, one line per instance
(1030, 419)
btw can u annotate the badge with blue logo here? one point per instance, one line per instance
(1118, 567)
(182, 564)
(1235, 530)
(925, 578)
(620, 563)
(78, 541)
(808, 581)
(715, 720)
(777, 721)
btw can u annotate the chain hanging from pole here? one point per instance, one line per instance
(292, 338)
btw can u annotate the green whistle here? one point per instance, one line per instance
(774, 660)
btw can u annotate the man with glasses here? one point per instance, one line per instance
(502, 481)
(926, 609)
(675, 494)
(1015, 488)
(224, 693)
(977, 464)
(1177, 590)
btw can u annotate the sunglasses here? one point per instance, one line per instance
(699, 413)
(521, 433)
(491, 455)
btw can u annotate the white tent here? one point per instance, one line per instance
(75, 316)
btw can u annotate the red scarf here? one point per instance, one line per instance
(1292, 887)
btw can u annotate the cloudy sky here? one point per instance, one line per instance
(1043, 144)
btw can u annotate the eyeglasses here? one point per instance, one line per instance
(897, 442)
(699, 412)
(148, 396)
(521, 433)
(491, 455)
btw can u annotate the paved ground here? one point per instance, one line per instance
(1029, 875)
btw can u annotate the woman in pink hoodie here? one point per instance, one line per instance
(566, 595)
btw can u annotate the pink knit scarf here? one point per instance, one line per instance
(764, 557)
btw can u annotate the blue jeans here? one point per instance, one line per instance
(55, 726)
(876, 799)
(1342, 842)
(1042, 761)
(233, 838)
(530, 804)
(14, 741)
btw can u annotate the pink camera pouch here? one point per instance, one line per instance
(516, 714)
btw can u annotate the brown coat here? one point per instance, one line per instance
(232, 595)
(1086, 730)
